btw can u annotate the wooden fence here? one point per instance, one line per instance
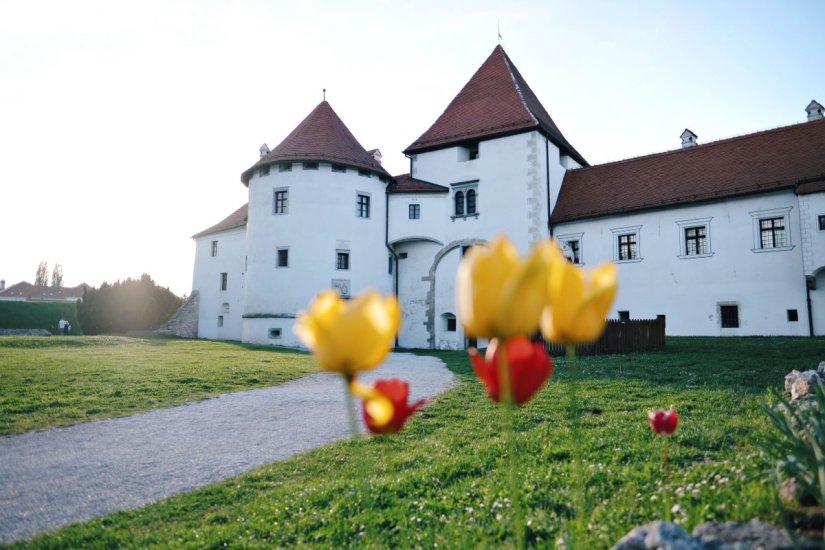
(623, 337)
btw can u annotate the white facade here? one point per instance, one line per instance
(219, 276)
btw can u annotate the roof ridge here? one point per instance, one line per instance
(509, 65)
(700, 146)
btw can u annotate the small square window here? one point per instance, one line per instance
(220, 320)
(451, 324)
(342, 259)
(283, 257)
(364, 173)
(310, 166)
(274, 333)
(472, 150)
(624, 315)
(214, 248)
(696, 242)
(628, 249)
(363, 206)
(822, 223)
(730, 316)
(285, 167)
(224, 281)
(415, 211)
(263, 170)
(338, 168)
(793, 315)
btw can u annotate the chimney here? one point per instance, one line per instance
(264, 150)
(688, 139)
(815, 111)
(376, 154)
(2, 284)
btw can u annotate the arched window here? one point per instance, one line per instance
(449, 322)
(459, 203)
(225, 307)
(471, 201)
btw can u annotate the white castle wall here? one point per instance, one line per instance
(320, 220)
(689, 290)
(206, 279)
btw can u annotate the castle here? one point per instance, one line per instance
(723, 238)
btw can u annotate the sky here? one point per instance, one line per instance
(125, 126)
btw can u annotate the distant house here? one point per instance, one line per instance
(23, 292)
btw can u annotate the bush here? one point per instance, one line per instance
(133, 304)
(43, 315)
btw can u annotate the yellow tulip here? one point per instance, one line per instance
(349, 336)
(499, 294)
(578, 300)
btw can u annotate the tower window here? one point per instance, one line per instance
(214, 248)
(310, 166)
(363, 206)
(342, 259)
(730, 316)
(415, 211)
(338, 168)
(285, 167)
(283, 257)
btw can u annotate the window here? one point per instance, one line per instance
(338, 168)
(471, 201)
(822, 223)
(280, 201)
(465, 199)
(220, 320)
(342, 259)
(224, 280)
(694, 238)
(469, 151)
(627, 247)
(415, 211)
(793, 315)
(450, 324)
(310, 166)
(624, 315)
(389, 265)
(284, 167)
(364, 173)
(729, 315)
(225, 307)
(571, 246)
(772, 233)
(473, 150)
(573, 251)
(214, 248)
(696, 241)
(771, 230)
(363, 206)
(626, 244)
(283, 257)
(274, 333)
(263, 170)
(459, 203)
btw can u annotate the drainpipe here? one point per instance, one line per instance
(547, 170)
(397, 266)
(810, 281)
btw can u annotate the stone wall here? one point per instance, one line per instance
(24, 332)
(184, 323)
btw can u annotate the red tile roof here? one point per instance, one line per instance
(238, 218)
(29, 291)
(321, 136)
(405, 184)
(765, 161)
(814, 186)
(496, 101)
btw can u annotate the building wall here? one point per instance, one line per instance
(321, 220)
(434, 211)
(689, 290)
(811, 207)
(413, 291)
(213, 301)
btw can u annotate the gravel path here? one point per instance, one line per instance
(63, 475)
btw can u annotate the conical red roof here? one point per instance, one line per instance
(496, 101)
(321, 136)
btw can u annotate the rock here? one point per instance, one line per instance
(820, 370)
(184, 323)
(790, 378)
(755, 535)
(659, 536)
(804, 384)
(24, 332)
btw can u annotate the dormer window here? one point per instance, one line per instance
(263, 170)
(285, 167)
(338, 168)
(364, 173)
(310, 166)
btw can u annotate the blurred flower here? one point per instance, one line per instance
(578, 300)
(499, 294)
(662, 422)
(385, 407)
(349, 336)
(528, 364)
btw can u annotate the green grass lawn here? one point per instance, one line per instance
(443, 481)
(57, 381)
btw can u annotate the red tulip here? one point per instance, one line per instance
(397, 392)
(528, 363)
(663, 422)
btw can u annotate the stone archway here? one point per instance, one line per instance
(449, 247)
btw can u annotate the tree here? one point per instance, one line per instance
(42, 277)
(133, 304)
(57, 276)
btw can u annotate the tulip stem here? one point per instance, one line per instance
(665, 456)
(364, 497)
(579, 512)
(512, 445)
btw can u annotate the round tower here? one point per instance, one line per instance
(317, 220)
